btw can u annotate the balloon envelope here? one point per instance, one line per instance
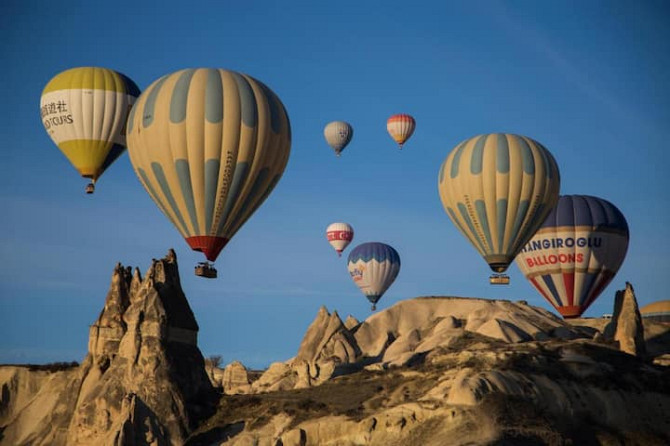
(338, 134)
(400, 127)
(497, 190)
(339, 236)
(373, 267)
(576, 252)
(208, 145)
(84, 111)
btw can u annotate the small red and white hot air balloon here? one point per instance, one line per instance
(339, 236)
(400, 127)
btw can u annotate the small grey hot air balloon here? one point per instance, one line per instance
(338, 134)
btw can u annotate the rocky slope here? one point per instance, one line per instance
(429, 371)
(457, 371)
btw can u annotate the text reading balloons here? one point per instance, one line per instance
(208, 145)
(576, 252)
(84, 111)
(373, 267)
(400, 127)
(339, 236)
(338, 134)
(497, 190)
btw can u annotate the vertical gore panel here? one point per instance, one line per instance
(255, 193)
(440, 177)
(184, 176)
(526, 156)
(480, 206)
(239, 177)
(247, 101)
(521, 211)
(162, 182)
(214, 97)
(275, 110)
(211, 186)
(501, 216)
(179, 99)
(475, 235)
(150, 103)
(477, 160)
(457, 159)
(502, 154)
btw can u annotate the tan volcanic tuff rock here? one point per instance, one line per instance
(626, 326)
(36, 405)
(142, 382)
(158, 371)
(235, 379)
(351, 322)
(480, 391)
(326, 344)
(405, 333)
(504, 320)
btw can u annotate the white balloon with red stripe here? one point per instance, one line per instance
(339, 236)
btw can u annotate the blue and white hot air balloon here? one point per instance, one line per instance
(373, 267)
(576, 253)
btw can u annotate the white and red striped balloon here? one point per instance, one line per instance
(400, 127)
(339, 236)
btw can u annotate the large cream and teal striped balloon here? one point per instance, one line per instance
(498, 189)
(84, 111)
(208, 145)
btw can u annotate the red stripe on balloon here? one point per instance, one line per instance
(569, 283)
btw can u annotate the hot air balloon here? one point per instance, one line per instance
(339, 236)
(497, 190)
(84, 111)
(373, 267)
(400, 127)
(338, 134)
(576, 252)
(209, 146)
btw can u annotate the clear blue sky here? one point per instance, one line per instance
(588, 79)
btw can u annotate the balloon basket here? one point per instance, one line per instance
(499, 279)
(90, 188)
(204, 269)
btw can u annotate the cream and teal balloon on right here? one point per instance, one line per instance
(497, 189)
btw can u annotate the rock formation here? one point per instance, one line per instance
(626, 327)
(478, 391)
(143, 380)
(235, 379)
(429, 371)
(405, 333)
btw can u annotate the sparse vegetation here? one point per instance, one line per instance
(213, 361)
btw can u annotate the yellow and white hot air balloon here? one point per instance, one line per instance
(497, 190)
(84, 111)
(208, 145)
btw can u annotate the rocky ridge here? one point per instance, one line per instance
(428, 370)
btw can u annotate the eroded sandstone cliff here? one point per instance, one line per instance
(143, 380)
